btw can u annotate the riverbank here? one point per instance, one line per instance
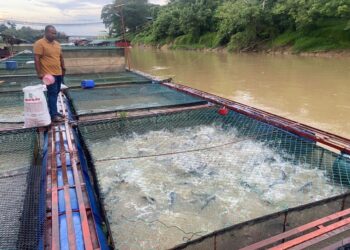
(331, 38)
(279, 51)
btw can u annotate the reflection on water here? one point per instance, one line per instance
(161, 201)
(311, 90)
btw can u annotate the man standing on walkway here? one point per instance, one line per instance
(49, 60)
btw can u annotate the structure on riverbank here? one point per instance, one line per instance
(138, 161)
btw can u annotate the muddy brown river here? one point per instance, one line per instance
(311, 90)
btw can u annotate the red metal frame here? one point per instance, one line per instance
(337, 142)
(318, 226)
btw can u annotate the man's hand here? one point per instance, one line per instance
(63, 71)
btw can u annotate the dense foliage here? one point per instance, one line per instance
(134, 13)
(238, 24)
(26, 33)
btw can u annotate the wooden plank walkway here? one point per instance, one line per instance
(64, 174)
(307, 235)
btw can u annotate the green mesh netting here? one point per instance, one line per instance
(17, 83)
(24, 61)
(127, 97)
(167, 179)
(20, 65)
(19, 71)
(11, 104)
(21, 203)
(106, 78)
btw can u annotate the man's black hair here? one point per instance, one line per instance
(48, 27)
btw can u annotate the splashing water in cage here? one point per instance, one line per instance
(168, 179)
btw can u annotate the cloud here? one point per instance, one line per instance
(61, 11)
(75, 5)
(58, 11)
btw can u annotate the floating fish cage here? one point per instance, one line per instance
(126, 98)
(163, 166)
(21, 61)
(18, 71)
(102, 79)
(191, 173)
(22, 190)
(17, 83)
(11, 104)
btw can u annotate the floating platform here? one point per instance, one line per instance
(79, 184)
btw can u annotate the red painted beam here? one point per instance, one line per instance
(312, 235)
(298, 230)
(82, 208)
(337, 142)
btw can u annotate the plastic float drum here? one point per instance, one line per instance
(11, 65)
(88, 84)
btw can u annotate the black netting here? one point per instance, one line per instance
(11, 104)
(21, 59)
(17, 72)
(22, 204)
(21, 64)
(187, 174)
(17, 83)
(127, 97)
(25, 64)
(105, 78)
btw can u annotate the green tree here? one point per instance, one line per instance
(248, 24)
(167, 24)
(197, 17)
(135, 13)
(26, 33)
(302, 14)
(244, 22)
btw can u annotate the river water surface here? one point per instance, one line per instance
(311, 90)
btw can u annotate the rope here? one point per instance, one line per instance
(183, 152)
(185, 238)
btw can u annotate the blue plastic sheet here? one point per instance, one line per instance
(94, 205)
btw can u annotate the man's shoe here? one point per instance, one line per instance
(57, 119)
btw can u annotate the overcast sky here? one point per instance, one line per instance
(59, 11)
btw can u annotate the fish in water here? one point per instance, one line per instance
(149, 199)
(208, 200)
(172, 198)
(277, 182)
(284, 175)
(280, 181)
(197, 171)
(270, 160)
(204, 199)
(306, 188)
(245, 184)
